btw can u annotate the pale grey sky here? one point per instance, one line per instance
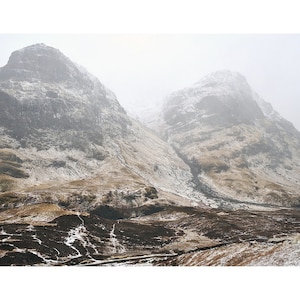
(143, 69)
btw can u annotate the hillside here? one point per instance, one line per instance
(235, 143)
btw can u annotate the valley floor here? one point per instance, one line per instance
(173, 236)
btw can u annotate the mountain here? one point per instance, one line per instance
(65, 137)
(237, 146)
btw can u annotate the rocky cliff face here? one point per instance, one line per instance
(235, 143)
(220, 99)
(44, 94)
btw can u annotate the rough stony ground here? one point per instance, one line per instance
(173, 236)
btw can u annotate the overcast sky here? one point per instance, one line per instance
(143, 69)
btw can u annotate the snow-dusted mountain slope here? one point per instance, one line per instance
(234, 142)
(65, 133)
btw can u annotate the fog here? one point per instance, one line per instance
(142, 69)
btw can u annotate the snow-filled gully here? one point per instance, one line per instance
(117, 247)
(80, 234)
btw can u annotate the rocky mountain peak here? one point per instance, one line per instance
(40, 62)
(223, 98)
(225, 83)
(42, 91)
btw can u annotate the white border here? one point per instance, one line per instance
(144, 16)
